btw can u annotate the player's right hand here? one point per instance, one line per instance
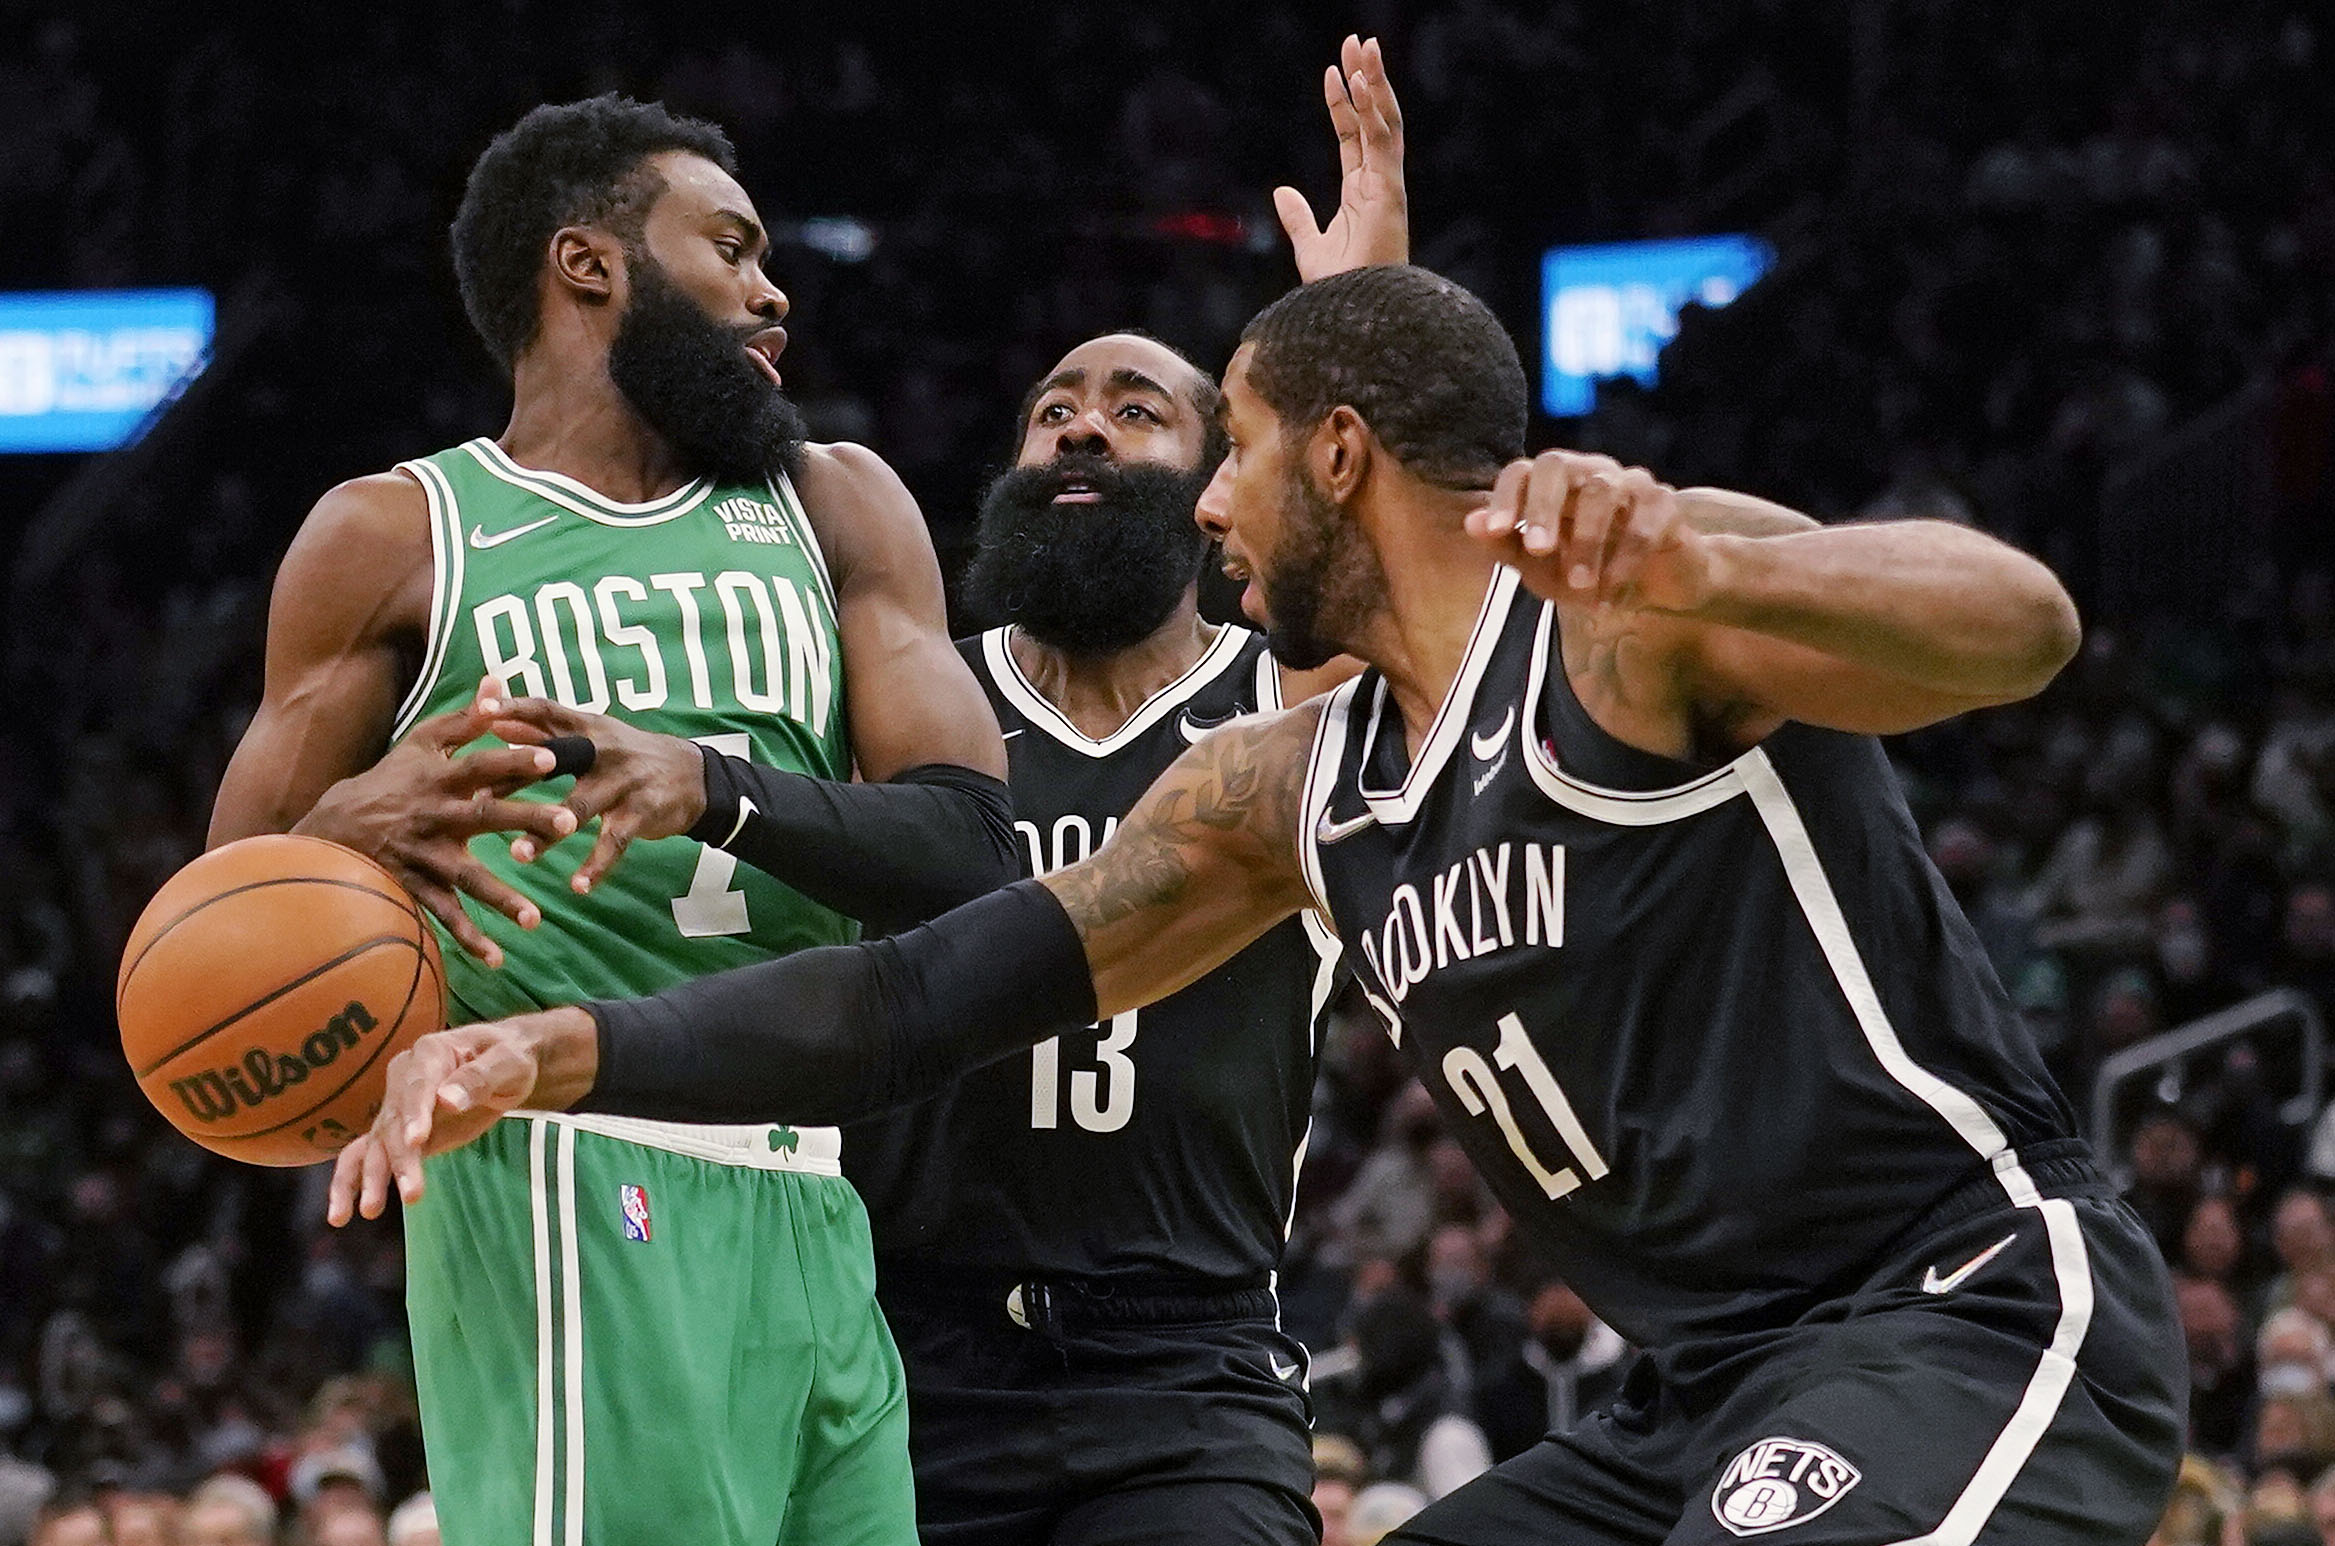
(641, 784)
(452, 1085)
(415, 811)
(1373, 222)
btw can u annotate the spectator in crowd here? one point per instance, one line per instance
(414, 1522)
(228, 1510)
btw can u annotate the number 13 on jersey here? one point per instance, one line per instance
(1101, 1100)
(1477, 1084)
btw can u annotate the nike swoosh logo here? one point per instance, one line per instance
(1933, 1284)
(1281, 1371)
(479, 538)
(1192, 728)
(1487, 746)
(1326, 831)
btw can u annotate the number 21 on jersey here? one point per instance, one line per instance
(1477, 1084)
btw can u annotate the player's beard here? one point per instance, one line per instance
(688, 375)
(1321, 580)
(1088, 579)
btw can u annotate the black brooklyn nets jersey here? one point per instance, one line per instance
(1713, 1036)
(1165, 1142)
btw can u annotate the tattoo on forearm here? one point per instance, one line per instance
(1242, 779)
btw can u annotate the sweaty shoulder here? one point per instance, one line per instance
(364, 547)
(862, 512)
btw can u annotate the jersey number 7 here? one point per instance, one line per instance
(1477, 1085)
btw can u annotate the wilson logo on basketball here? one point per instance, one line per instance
(1778, 1483)
(217, 1093)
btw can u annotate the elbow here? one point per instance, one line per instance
(2048, 634)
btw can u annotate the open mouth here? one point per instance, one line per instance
(764, 348)
(1077, 492)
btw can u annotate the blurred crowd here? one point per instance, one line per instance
(2021, 253)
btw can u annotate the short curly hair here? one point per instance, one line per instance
(571, 163)
(1425, 363)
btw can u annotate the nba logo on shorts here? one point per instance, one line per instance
(635, 1202)
(1778, 1483)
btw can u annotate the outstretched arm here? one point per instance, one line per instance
(1677, 616)
(1206, 862)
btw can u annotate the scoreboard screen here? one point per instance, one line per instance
(80, 370)
(1608, 310)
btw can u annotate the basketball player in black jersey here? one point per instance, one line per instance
(1611, 846)
(1075, 1246)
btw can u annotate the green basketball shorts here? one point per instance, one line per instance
(631, 1332)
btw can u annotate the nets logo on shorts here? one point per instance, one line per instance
(1778, 1483)
(634, 1200)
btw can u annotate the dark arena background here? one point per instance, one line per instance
(2062, 270)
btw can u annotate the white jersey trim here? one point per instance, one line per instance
(445, 517)
(782, 491)
(1616, 807)
(1321, 782)
(539, 1220)
(2070, 1261)
(818, 1151)
(1400, 804)
(581, 498)
(571, 1341)
(1035, 707)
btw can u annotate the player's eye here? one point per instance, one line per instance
(1053, 413)
(1141, 411)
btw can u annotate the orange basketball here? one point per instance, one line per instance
(264, 991)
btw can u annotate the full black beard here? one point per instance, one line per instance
(688, 375)
(1088, 579)
(1321, 572)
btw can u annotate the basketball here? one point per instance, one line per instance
(265, 988)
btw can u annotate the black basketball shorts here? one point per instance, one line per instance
(2014, 1379)
(1071, 1420)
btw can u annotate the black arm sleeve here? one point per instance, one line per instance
(824, 1037)
(890, 854)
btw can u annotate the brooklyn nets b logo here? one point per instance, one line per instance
(1780, 1482)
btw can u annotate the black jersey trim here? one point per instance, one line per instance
(1401, 804)
(1039, 710)
(2056, 1371)
(1617, 807)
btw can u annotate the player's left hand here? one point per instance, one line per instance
(1584, 530)
(1373, 222)
(640, 785)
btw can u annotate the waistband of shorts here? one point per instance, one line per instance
(1150, 1299)
(815, 1151)
(2058, 1167)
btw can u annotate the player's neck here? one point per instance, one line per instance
(1100, 693)
(575, 422)
(1435, 583)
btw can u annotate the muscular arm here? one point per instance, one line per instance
(912, 699)
(345, 630)
(339, 656)
(1696, 622)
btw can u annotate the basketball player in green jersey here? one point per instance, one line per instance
(631, 1331)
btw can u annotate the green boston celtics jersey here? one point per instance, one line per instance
(705, 614)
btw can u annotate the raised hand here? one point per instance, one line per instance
(415, 811)
(640, 785)
(1373, 220)
(1584, 529)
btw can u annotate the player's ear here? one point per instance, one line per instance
(585, 262)
(1340, 453)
